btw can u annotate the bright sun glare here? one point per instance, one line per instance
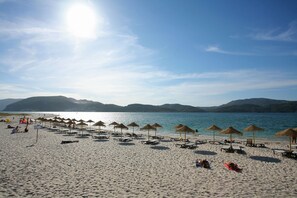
(81, 21)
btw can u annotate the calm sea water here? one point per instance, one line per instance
(271, 122)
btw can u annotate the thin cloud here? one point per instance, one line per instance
(216, 49)
(288, 35)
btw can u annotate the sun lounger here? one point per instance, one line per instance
(186, 145)
(200, 142)
(179, 139)
(293, 146)
(157, 137)
(71, 132)
(82, 135)
(101, 137)
(232, 149)
(116, 134)
(260, 145)
(123, 139)
(151, 142)
(217, 142)
(285, 153)
(134, 135)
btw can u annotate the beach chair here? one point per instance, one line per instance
(260, 145)
(249, 142)
(136, 136)
(227, 149)
(200, 142)
(151, 142)
(157, 137)
(123, 139)
(285, 153)
(217, 142)
(101, 137)
(186, 145)
(232, 149)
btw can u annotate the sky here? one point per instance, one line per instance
(192, 52)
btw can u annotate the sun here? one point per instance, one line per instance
(81, 21)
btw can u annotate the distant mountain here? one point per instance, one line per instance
(61, 103)
(5, 102)
(263, 102)
(182, 108)
(258, 105)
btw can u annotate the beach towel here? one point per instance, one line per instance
(232, 166)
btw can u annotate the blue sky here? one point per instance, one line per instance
(194, 52)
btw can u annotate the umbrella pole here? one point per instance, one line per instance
(185, 136)
(231, 140)
(148, 132)
(156, 132)
(213, 136)
(254, 137)
(290, 143)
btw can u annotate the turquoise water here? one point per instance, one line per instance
(271, 122)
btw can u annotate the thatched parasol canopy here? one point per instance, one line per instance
(253, 128)
(121, 126)
(133, 124)
(148, 127)
(230, 131)
(288, 132)
(214, 128)
(185, 129)
(156, 125)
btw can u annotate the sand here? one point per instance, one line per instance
(92, 168)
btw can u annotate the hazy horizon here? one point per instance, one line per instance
(199, 53)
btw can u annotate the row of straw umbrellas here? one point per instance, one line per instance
(291, 133)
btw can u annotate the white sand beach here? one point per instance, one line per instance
(93, 168)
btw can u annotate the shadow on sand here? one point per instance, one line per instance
(205, 152)
(126, 144)
(102, 140)
(266, 159)
(161, 148)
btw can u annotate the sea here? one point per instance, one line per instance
(271, 122)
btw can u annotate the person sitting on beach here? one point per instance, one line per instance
(202, 163)
(234, 166)
(10, 127)
(15, 130)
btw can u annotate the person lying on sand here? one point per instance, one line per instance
(232, 166)
(15, 130)
(202, 163)
(10, 127)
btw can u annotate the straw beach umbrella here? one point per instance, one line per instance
(113, 124)
(121, 126)
(288, 132)
(81, 124)
(214, 128)
(156, 125)
(178, 126)
(230, 131)
(99, 124)
(133, 124)
(148, 127)
(185, 129)
(253, 128)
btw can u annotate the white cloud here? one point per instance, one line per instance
(216, 49)
(288, 35)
